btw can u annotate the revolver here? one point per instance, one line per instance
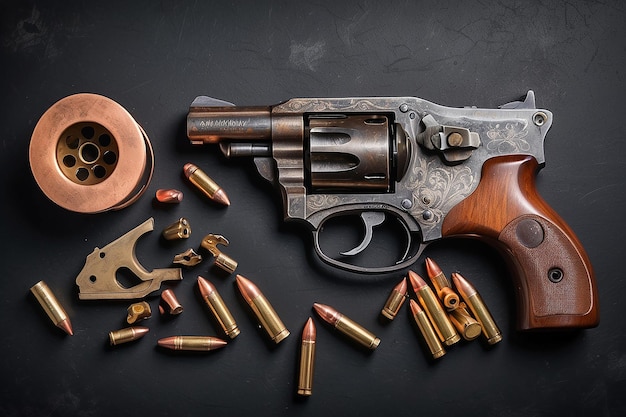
(438, 171)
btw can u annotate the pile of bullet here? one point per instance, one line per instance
(444, 314)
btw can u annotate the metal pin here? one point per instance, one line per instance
(346, 326)
(171, 196)
(223, 261)
(395, 300)
(138, 311)
(191, 343)
(188, 258)
(478, 308)
(265, 313)
(205, 184)
(429, 334)
(217, 306)
(307, 359)
(429, 301)
(128, 334)
(169, 300)
(180, 229)
(52, 307)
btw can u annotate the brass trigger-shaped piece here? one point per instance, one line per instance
(97, 280)
(370, 219)
(225, 262)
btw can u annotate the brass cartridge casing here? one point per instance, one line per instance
(138, 311)
(51, 306)
(128, 334)
(205, 184)
(226, 263)
(263, 310)
(437, 315)
(307, 359)
(478, 308)
(169, 301)
(448, 297)
(348, 327)
(217, 306)
(181, 229)
(395, 300)
(192, 343)
(430, 335)
(465, 324)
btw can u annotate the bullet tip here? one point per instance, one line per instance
(432, 268)
(66, 326)
(189, 169)
(417, 282)
(221, 197)
(247, 288)
(309, 333)
(205, 287)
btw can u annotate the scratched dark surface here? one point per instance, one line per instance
(155, 57)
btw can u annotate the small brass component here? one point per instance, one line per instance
(169, 303)
(51, 306)
(465, 324)
(307, 359)
(171, 196)
(223, 261)
(180, 229)
(429, 334)
(97, 279)
(188, 258)
(128, 334)
(138, 311)
(395, 300)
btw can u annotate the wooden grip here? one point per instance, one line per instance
(554, 281)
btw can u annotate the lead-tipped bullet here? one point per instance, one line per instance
(52, 307)
(217, 306)
(478, 308)
(307, 359)
(437, 315)
(205, 184)
(429, 334)
(442, 286)
(192, 343)
(346, 326)
(263, 310)
(395, 300)
(128, 334)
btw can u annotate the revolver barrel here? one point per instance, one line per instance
(212, 124)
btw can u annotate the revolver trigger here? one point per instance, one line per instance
(370, 219)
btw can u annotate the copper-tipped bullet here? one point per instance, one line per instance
(429, 334)
(265, 313)
(307, 359)
(205, 184)
(346, 326)
(217, 306)
(437, 315)
(169, 303)
(170, 196)
(52, 307)
(128, 334)
(395, 300)
(195, 343)
(448, 297)
(478, 308)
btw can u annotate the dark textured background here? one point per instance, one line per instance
(154, 57)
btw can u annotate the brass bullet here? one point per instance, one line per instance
(429, 334)
(217, 306)
(307, 359)
(52, 307)
(346, 326)
(171, 196)
(395, 300)
(478, 308)
(265, 313)
(128, 334)
(448, 297)
(465, 324)
(193, 343)
(205, 184)
(138, 311)
(169, 303)
(180, 229)
(429, 301)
